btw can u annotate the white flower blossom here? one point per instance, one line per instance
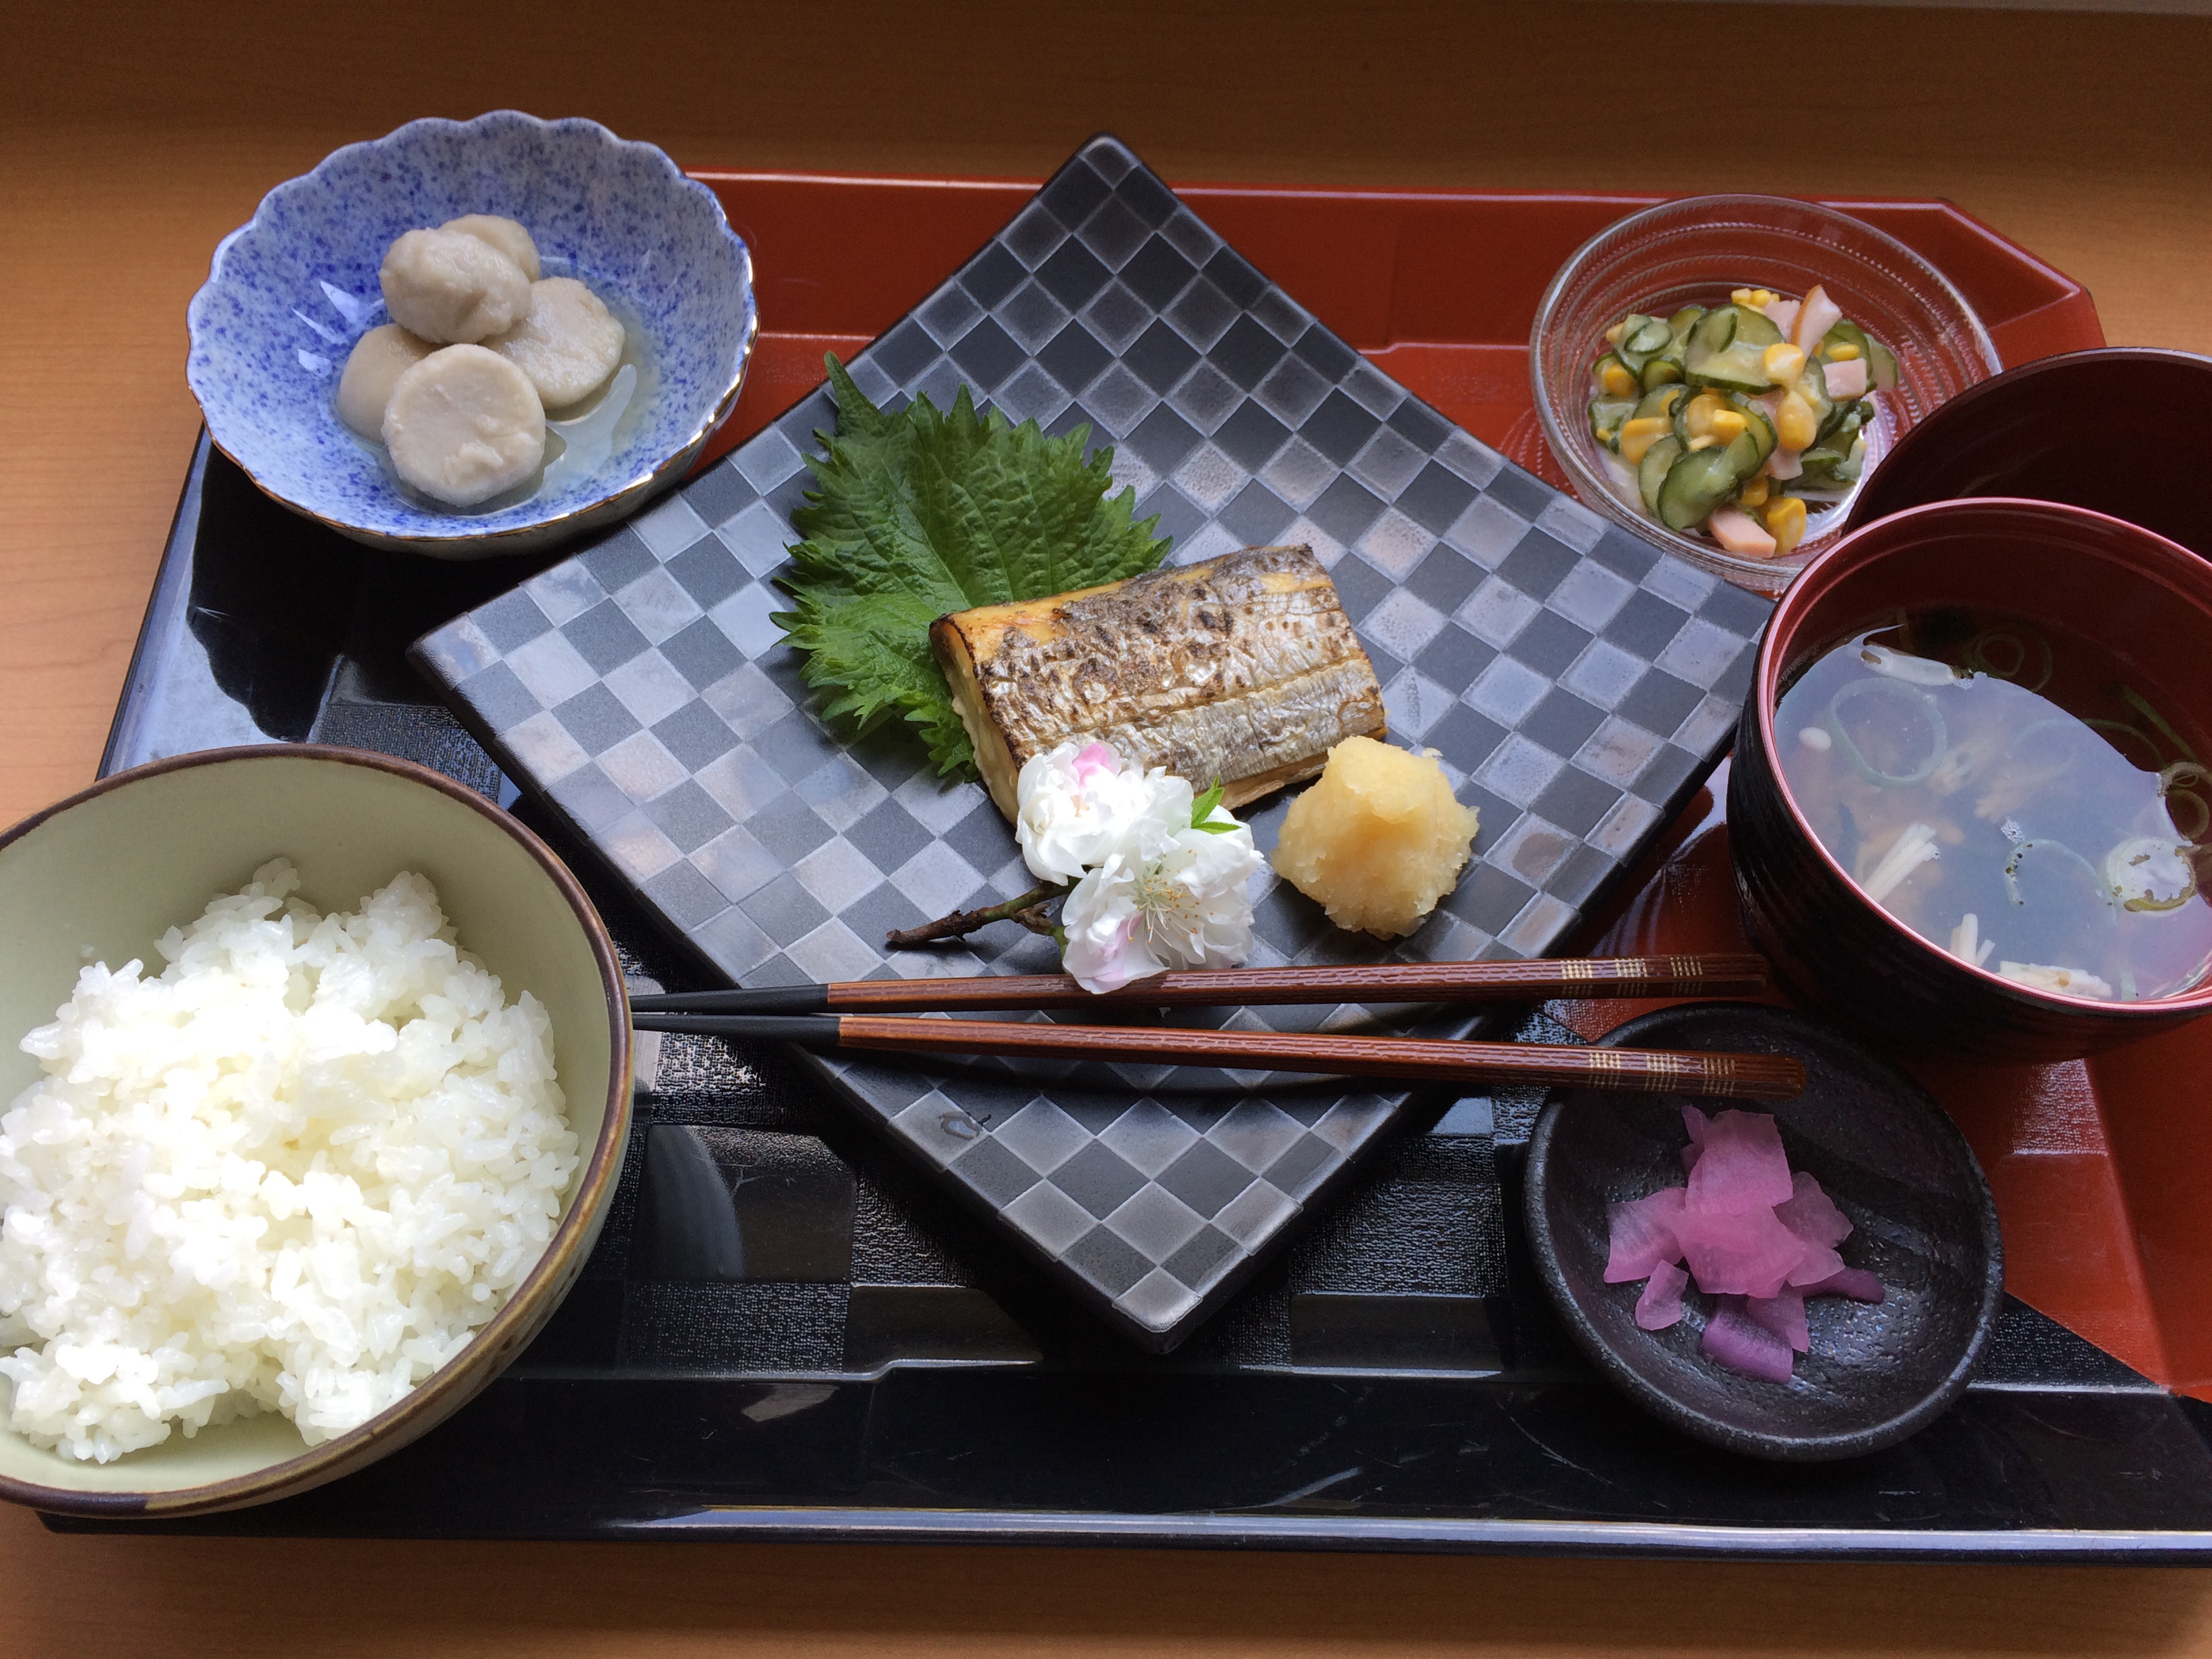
(1170, 895)
(1075, 806)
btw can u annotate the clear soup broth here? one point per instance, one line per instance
(2013, 794)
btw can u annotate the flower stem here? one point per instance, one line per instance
(1027, 910)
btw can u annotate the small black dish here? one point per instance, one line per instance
(1886, 1153)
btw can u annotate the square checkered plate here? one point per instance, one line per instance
(1575, 682)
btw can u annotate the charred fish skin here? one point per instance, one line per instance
(1243, 668)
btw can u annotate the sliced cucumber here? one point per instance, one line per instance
(1661, 371)
(1846, 418)
(1835, 464)
(1739, 368)
(1756, 326)
(1680, 323)
(1883, 366)
(1642, 338)
(1606, 415)
(1660, 401)
(1695, 485)
(1756, 424)
(1726, 350)
(1652, 471)
(1712, 333)
(1849, 333)
(1812, 388)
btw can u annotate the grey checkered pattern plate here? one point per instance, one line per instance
(1575, 682)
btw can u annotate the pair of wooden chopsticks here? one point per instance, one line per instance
(851, 1015)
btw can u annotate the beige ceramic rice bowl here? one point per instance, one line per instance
(101, 876)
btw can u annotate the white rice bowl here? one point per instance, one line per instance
(294, 1173)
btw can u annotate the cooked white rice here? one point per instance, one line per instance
(292, 1174)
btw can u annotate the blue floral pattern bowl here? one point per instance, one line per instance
(292, 290)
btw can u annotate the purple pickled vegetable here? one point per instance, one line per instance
(1747, 1254)
(1812, 1214)
(1643, 1234)
(1661, 1304)
(1741, 1167)
(1855, 1283)
(1783, 1315)
(1741, 1343)
(1819, 1262)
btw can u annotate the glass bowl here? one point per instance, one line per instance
(1697, 250)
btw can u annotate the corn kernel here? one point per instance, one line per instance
(1698, 418)
(1795, 426)
(1783, 364)
(1785, 522)
(1617, 380)
(1754, 493)
(1613, 334)
(1842, 352)
(1729, 425)
(1640, 434)
(1762, 297)
(1742, 296)
(1705, 441)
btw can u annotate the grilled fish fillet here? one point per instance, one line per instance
(1244, 668)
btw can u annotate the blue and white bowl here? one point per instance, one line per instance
(291, 291)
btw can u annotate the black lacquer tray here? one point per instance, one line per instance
(787, 1332)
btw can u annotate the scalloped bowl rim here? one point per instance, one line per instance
(613, 500)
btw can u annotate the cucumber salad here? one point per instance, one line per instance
(1740, 419)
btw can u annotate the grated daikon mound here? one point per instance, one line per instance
(294, 1173)
(1378, 840)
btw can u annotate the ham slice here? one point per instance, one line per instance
(1740, 534)
(1816, 315)
(1846, 380)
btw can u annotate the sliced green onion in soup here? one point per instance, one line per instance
(2050, 853)
(1855, 716)
(2150, 874)
(2019, 655)
(2178, 787)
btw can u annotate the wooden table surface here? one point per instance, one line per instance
(133, 137)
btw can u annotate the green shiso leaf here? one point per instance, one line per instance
(921, 512)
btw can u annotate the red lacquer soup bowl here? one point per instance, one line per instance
(2143, 599)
